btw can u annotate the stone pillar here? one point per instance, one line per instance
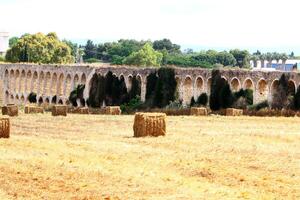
(64, 86)
(180, 90)
(143, 90)
(72, 83)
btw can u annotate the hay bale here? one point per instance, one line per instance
(234, 112)
(4, 128)
(59, 110)
(83, 110)
(4, 110)
(112, 110)
(33, 109)
(199, 111)
(10, 110)
(149, 124)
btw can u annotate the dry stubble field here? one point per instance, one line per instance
(96, 157)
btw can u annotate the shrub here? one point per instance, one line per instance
(226, 96)
(221, 95)
(135, 88)
(92, 60)
(175, 105)
(109, 89)
(133, 105)
(297, 99)
(2, 59)
(32, 97)
(97, 91)
(240, 103)
(280, 96)
(151, 85)
(77, 93)
(202, 99)
(246, 94)
(258, 106)
(193, 102)
(164, 88)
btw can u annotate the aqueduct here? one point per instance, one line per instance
(53, 83)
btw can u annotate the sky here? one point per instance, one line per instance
(199, 24)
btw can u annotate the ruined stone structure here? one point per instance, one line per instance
(53, 83)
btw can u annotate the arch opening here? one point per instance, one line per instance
(187, 91)
(199, 85)
(262, 90)
(235, 85)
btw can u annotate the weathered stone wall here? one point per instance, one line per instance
(47, 81)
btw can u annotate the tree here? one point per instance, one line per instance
(202, 99)
(225, 59)
(90, 50)
(241, 57)
(118, 51)
(13, 41)
(167, 45)
(73, 47)
(165, 88)
(40, 48)
(280, 95)
(147, 56)
(220, 93)
(217, 85)
(297, 99)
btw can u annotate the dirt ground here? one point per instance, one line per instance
(96, 157)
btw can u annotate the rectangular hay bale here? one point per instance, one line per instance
(234, 112)
(59, 110)
(199, 111)
(4, 128)
(10, 110)
(33, 109)
(83, 110)
(112, 110)
(149, 124)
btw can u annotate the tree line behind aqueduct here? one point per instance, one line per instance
(54, 84)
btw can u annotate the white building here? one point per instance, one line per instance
(4, 40)
(264, 65)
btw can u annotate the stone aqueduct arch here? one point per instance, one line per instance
(53, 84)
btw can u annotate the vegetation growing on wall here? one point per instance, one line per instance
(111, 90)
(280, 95)
(162, 88)
(32, 97)
(77, 94)
(202, 99)
(297, 99)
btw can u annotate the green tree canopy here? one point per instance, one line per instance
(40, 48)
(241, 56)
(13, 41)
(167, 45)
(147, 56)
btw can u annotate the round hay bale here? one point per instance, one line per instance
(199, 111)
(4, 128)
(59, 110)
(149, 124)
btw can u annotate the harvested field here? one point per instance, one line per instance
(96, 156)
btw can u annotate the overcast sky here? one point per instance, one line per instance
(222, 24)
